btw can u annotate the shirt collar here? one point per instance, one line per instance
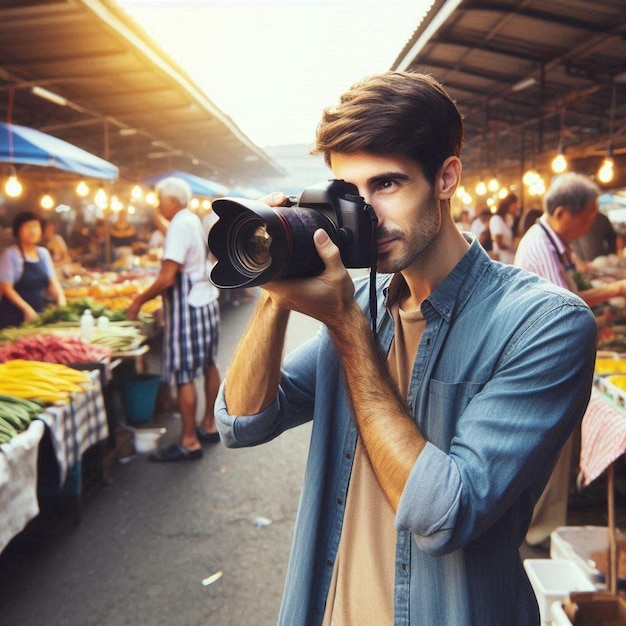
(561, 246)
(454, 291)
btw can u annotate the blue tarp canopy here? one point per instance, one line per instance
(27, 146)
(199, 186)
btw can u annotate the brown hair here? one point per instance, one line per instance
(394, 113)
(505, 204)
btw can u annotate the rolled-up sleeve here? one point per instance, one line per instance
(507, 433)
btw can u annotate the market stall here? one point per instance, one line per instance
(69, 404)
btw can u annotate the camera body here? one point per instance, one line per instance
(255, 243)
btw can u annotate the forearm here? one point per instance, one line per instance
(392, 439)
(254, 374)
(12, 296)
(598, 295)
(57, 292)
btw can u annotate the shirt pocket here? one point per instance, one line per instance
(445, 405)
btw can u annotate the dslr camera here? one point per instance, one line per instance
(255, 243)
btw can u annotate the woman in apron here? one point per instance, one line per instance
(26, 274)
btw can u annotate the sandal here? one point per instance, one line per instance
(206, 437)
(175, 452)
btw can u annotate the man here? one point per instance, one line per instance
(191, 319)
(427, 450)
(571, 206)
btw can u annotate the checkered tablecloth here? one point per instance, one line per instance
(603, 436)
(76, 426)
(18, 481)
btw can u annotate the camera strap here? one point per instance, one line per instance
(373, 303)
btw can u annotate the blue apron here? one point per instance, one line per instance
(30, 286)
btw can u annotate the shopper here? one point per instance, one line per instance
(191, 319)
(27, 277)
(432, 441)
(501, 229)
(571, 205)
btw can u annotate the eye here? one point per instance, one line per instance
(385, 184)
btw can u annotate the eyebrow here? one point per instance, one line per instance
(386, 176)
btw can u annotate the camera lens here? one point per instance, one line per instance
(249, 247)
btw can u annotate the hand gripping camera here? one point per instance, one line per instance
(255, 243)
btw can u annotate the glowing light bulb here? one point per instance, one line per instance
(530, 176)
(481, 188)
(136, 192)
(151, 198)
(101, 199)
(47, 202)
(116, 204)
(503, 193)
(493, 185)
(82, 189)
(559, 164)
(195, 203)
(13, 187)
(606, 172)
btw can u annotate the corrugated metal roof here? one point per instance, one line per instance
(527, 75)
(126, 100)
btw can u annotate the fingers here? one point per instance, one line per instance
(274, 199)
(327, 250)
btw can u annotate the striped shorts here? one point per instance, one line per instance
(191, 334)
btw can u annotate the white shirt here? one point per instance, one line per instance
(186, 245)
(498, 226)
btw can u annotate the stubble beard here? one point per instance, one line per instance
(415, 243)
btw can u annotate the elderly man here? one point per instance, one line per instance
(191, 319)
(571, 205)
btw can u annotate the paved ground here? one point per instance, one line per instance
(147, 540)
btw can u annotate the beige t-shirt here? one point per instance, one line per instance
(362, 586)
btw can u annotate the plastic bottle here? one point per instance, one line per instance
(87, 325)
(103, 322)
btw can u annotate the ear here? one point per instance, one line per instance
(448, 178)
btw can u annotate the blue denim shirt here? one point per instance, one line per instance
(502, 376)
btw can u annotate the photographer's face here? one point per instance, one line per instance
(409, 216)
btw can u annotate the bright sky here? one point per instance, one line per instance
(273, 65)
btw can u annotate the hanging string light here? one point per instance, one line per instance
(559, 163)
(481, 188)
(101, 199)
(136, 192)
(606, 171)
(82, 189)
(13, 187)
(47, 201)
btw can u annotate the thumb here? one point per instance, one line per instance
(327, 250)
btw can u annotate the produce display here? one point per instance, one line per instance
(610, 364)
(15, 416)
(53, 349)
(41, 381)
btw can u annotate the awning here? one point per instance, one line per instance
(199, 186)
(27, 146)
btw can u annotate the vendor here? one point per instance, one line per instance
(55, 244)
(26, 274)
(123, 233)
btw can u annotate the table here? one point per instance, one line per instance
(78, 425)
(603, 436)
(18, 481)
